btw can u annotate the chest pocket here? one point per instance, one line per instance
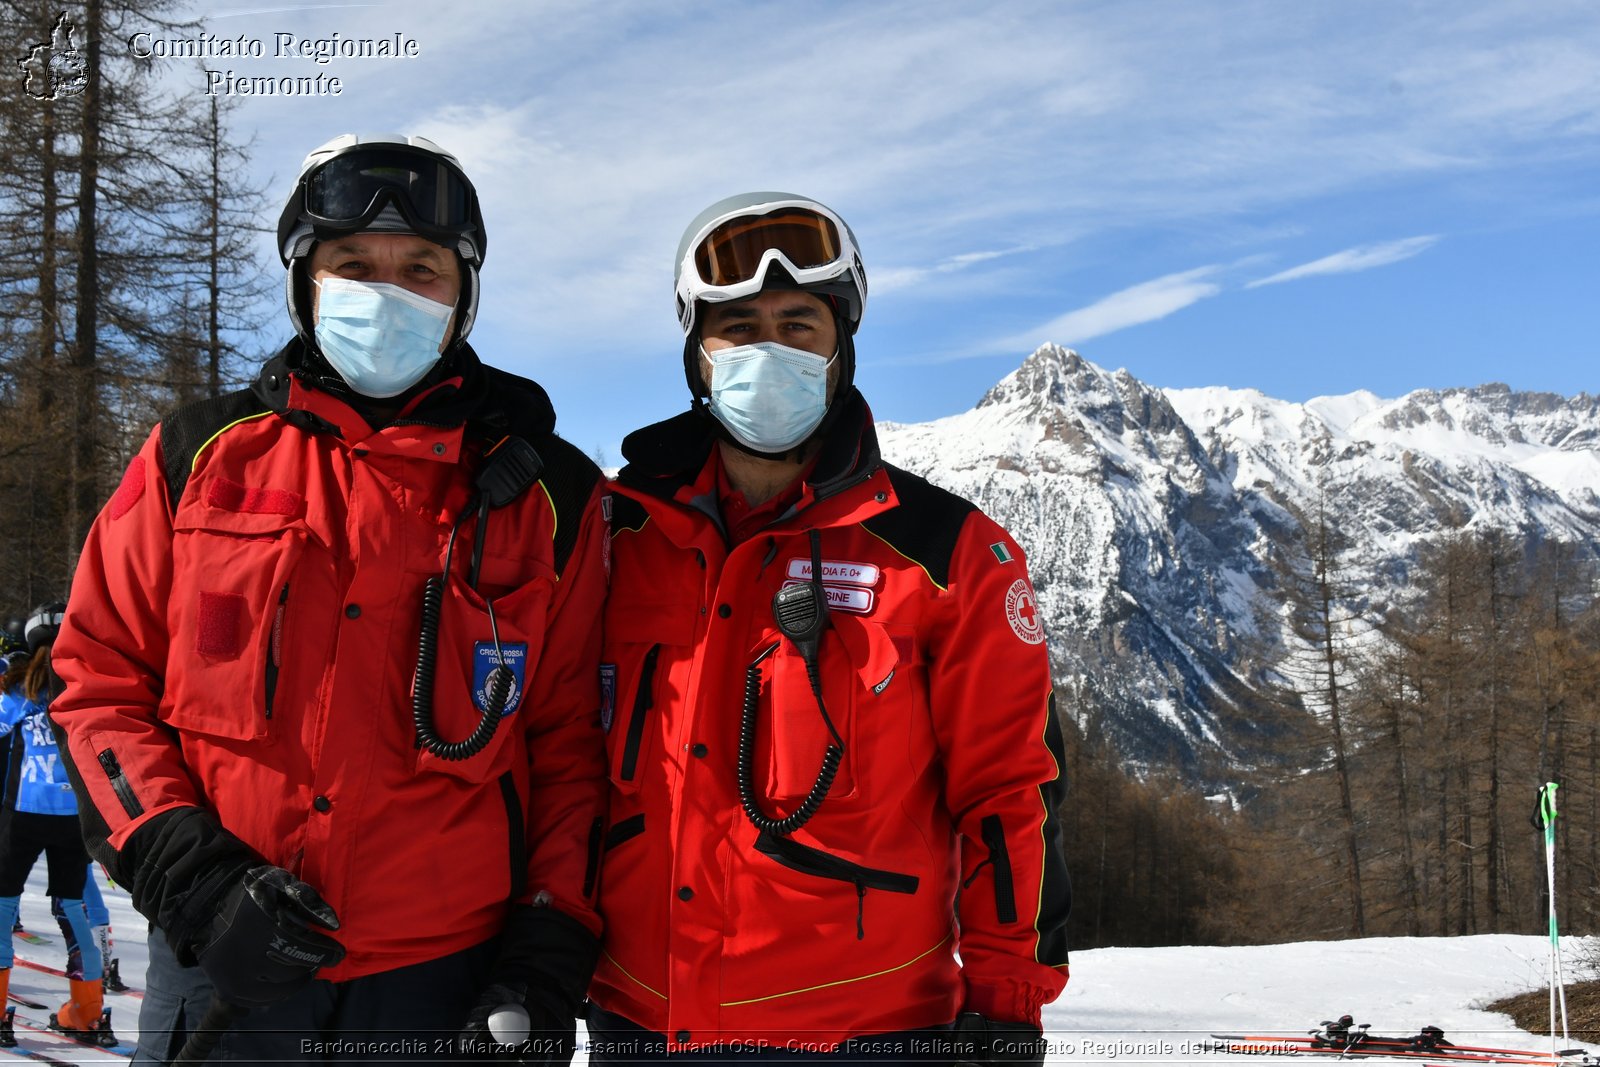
(466, 651)
(642, 644)
(235, 551)
(857, 663)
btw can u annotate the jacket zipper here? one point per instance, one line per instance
(626, 830)
(1005, 895)
(643, 699)
(807, 860)
(120, 784)
(275, 648)
(516, 834)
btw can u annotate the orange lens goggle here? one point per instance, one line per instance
(733, 252)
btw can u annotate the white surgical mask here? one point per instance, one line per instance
(769, 396)
(381, 338)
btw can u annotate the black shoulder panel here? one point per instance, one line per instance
(569, 477)
(926, 524)
(511, 404)
(186, 430)
(627, 513)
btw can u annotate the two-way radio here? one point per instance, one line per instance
(510, 467)
(801, 612)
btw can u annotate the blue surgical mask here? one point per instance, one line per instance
(769, 396)
(381, 338)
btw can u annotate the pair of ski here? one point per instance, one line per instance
(105, 1038)
(26, 1037)
(1344, 1040)
(28, 1031)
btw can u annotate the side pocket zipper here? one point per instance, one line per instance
(120, 784)
(643, 699)
(1005, 894)
(275, 648)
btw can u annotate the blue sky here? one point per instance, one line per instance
(1303, 198)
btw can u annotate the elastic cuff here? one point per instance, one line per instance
(1008, 1002)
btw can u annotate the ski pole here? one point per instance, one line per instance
(220, 1017)
(1558, 988)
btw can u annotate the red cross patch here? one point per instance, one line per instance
(1022, 612)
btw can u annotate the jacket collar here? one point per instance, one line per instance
(484, 401)
(665, 456)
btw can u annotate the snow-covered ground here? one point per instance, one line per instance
(1159, 1005)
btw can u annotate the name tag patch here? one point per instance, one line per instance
(838, 571)
(485, 659)
(608, 695)
(844, 597)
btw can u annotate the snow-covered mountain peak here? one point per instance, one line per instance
(1149, 516)
(1047, 377)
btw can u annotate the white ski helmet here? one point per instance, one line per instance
(745, 244)
(729, 250)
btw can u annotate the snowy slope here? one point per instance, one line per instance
(1159, 1004)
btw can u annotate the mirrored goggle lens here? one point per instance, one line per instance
(346, 188)
(732, 252)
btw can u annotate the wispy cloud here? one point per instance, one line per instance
(1089, 135)
(1145, 302)
(892, 278)
(1352, 260)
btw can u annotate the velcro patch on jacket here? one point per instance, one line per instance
(129, 490)
(231, 496)
(218, 633)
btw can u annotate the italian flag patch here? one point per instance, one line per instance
(1000, 551)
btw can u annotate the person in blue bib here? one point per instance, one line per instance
(40, 814)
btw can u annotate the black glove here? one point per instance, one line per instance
(263, 945)
(981, 1040)
(546, 960)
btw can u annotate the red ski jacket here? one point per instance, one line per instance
(933, 673)
(242, 635)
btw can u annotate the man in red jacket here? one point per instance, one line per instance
(329, 661)
(834, 756)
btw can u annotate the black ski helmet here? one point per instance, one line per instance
(44, 622)
(381, 183)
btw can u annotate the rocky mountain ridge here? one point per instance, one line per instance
(1149, 517)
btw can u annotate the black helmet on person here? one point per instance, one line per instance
(44, 622)
(11, 636)
(746, 244)
(381, 183)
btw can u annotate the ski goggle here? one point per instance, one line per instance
(730, 257)
(740, 249)
(348, 191)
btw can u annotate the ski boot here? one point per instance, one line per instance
(99, 1035)
(1341, 1033)
(1430, 1039)
(113, 979)
(8, 1029)
(84, 1018)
